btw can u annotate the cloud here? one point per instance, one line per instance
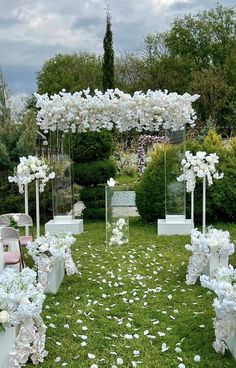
(32, 32)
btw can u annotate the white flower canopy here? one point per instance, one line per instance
(82, 111)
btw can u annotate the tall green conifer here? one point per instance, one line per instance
(108, 57)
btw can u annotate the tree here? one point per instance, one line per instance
(73, 72)
(206, 39)
(108, 81)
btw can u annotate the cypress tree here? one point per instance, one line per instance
(108, 57)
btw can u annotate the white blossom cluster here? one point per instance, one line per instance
(83, 111)
(29, 169)
(224, 285)
(22, 297)
(45, 250)
(118, 231)
(203, 246)
(199, 165)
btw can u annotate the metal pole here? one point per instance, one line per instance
(37, 209)
(26, 207)
(192, 208)
(204, 206)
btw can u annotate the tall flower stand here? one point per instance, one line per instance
(7, 343)
(63, 220)
(118, 201)
(175, 222)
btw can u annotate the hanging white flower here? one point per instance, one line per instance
(111, 182)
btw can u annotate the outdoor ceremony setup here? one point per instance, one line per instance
(23, 332)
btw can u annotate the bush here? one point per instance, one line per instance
(150, 192)
(94, 173)
(92, 194)
(94, 213)
(92, 146)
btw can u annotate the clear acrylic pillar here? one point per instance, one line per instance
(175, 222)
(118, 201)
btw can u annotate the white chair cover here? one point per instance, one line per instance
(12, 237)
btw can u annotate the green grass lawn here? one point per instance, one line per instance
(127, 302)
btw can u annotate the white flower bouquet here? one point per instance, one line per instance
(45, 250)
(29, 169)
(224, 285)
(203, 246)
(199, 166)
(118, 232)
(22, 298)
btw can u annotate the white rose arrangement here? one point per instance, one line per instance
(224, 285)
(29, 169)
(199, 165)
(21, 301)
(45, 250)
(203, 246)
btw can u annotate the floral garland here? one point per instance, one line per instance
(203, 246)
(46, 250)
(83, 111)
(142, 142)
(199, 165)
(118, 231)
(224, 285)
(29, 169)
(22, 297)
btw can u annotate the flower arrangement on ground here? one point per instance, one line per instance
(224, 285)
(214, 243)
(29, 169)
(21, 297)
(118, 232)
(199, 166)
(46, 250)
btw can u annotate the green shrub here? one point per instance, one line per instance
(94, 173)
(150, 192)
(92, 193)
(92, 146)
(94, 213)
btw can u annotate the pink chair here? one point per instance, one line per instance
(8, 234)
(24, 221)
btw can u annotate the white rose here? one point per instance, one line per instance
(4, 317)
(33, 167)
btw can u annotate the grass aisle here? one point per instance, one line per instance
(128, 302)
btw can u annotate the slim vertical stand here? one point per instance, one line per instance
(26, 207)
(192, 208)
(204, 206)
(37, 209)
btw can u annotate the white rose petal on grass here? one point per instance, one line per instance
(197, 358)
(136, 352)
(119, 361)
(164, 347)
(91, 356)
(58, 359)
(178, 350)
(84, 343)
(181, 365)
(94, 366)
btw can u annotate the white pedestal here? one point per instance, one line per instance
(231, 342)
(214, 263)
(7, 342)
(64, 224)
(56, 277)
(174, 225)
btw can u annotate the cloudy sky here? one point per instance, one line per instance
(33, 31)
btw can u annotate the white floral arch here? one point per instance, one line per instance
(82, 111)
